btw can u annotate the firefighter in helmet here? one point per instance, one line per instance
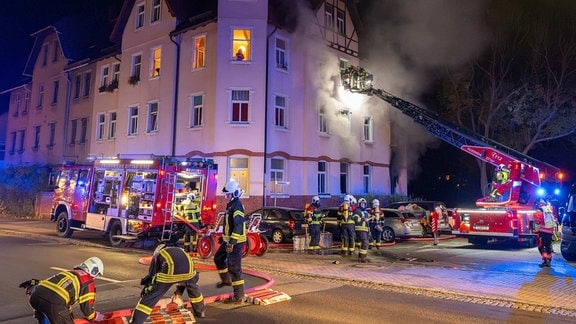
(53, 298)
(544, 225)
(375, 224)
(347, 224)
(228, 257)
(314, 215)
(170, 265)
(361, 228)
(191, 210)
(500, 188)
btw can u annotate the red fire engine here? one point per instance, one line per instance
(132, 197)
(507, 216)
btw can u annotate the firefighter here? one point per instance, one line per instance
(361, 228)
(191, 210)
(347, 224)
(170, 265)
(53, 297)
(228, 257)
(314, 216)
(374, 222)
(544, 225)
(500, 188)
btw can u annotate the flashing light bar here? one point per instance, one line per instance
(142, 162)
(113, 161)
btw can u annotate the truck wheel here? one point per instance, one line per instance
(566, 253)
(263, 245)
(115, 229)
(63, 225)
(206, 247)
(388, 235)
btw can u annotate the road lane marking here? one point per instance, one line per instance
(102, 278)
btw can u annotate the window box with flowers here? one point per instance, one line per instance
(134, 79)
(113, 85)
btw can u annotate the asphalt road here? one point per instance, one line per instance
(323, 301)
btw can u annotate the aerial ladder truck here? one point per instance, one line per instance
(509, 216)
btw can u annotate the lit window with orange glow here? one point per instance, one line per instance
(156, 59)
(241, 50)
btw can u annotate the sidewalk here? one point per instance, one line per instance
(548, 290)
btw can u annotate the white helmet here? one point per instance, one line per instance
(349, 199)
(315, 199)
(94, 266)
(362, 201)
(375, 203)
(191, 196)
(233, 188)
(353, 200)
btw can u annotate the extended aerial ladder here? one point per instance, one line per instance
(357, 80)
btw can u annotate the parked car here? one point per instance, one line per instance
(280, 224)
(445, 221)
(394, 225)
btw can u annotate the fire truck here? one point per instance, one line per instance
(509, 217)
(130, 198)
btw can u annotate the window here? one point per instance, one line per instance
(156, 57)
(13, 141)
(100, 124)
(116, 72)
(199, 52)
(322, 178)
(77, 86)
(241, 44)
(44, 54)
(240, 102)
(152, 117)
(104, 76)
(133, 121)
(280, 112)
(22, 139)
(51, 134)
(17, 102)
(83, 130)
(55, 51)
(73, 131)
(322, 121)
(329, 16)
(196, 111)
(368, 129)
(238, 167)
(156, 6)
(112, 125)
(341, 22)
(55, 88)
(87, 84)
(344, 177)
(139, 16)
(40, 97)
(281, 57)
(346, 116)
(277, 179)
(343, 64)
(36, 138)
(26, 103)
(136, 68)
(367, 179)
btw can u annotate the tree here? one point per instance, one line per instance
(520, 91)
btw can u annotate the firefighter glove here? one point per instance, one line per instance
(29, 283)
(229, 248)
(146, 280)
(99, 317)
(147, 289)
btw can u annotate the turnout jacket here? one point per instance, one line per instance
(171, 265)
(69, 288)
(234, 227)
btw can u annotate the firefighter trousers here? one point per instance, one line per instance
(53, 307)
(363, 237)
(191, 238)
(314, 237)
(545, 245)
(229, 267)
(348, 240)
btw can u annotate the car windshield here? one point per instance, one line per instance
(297, 215)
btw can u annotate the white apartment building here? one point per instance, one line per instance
(252, 84)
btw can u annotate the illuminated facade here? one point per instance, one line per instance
(252, 84)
